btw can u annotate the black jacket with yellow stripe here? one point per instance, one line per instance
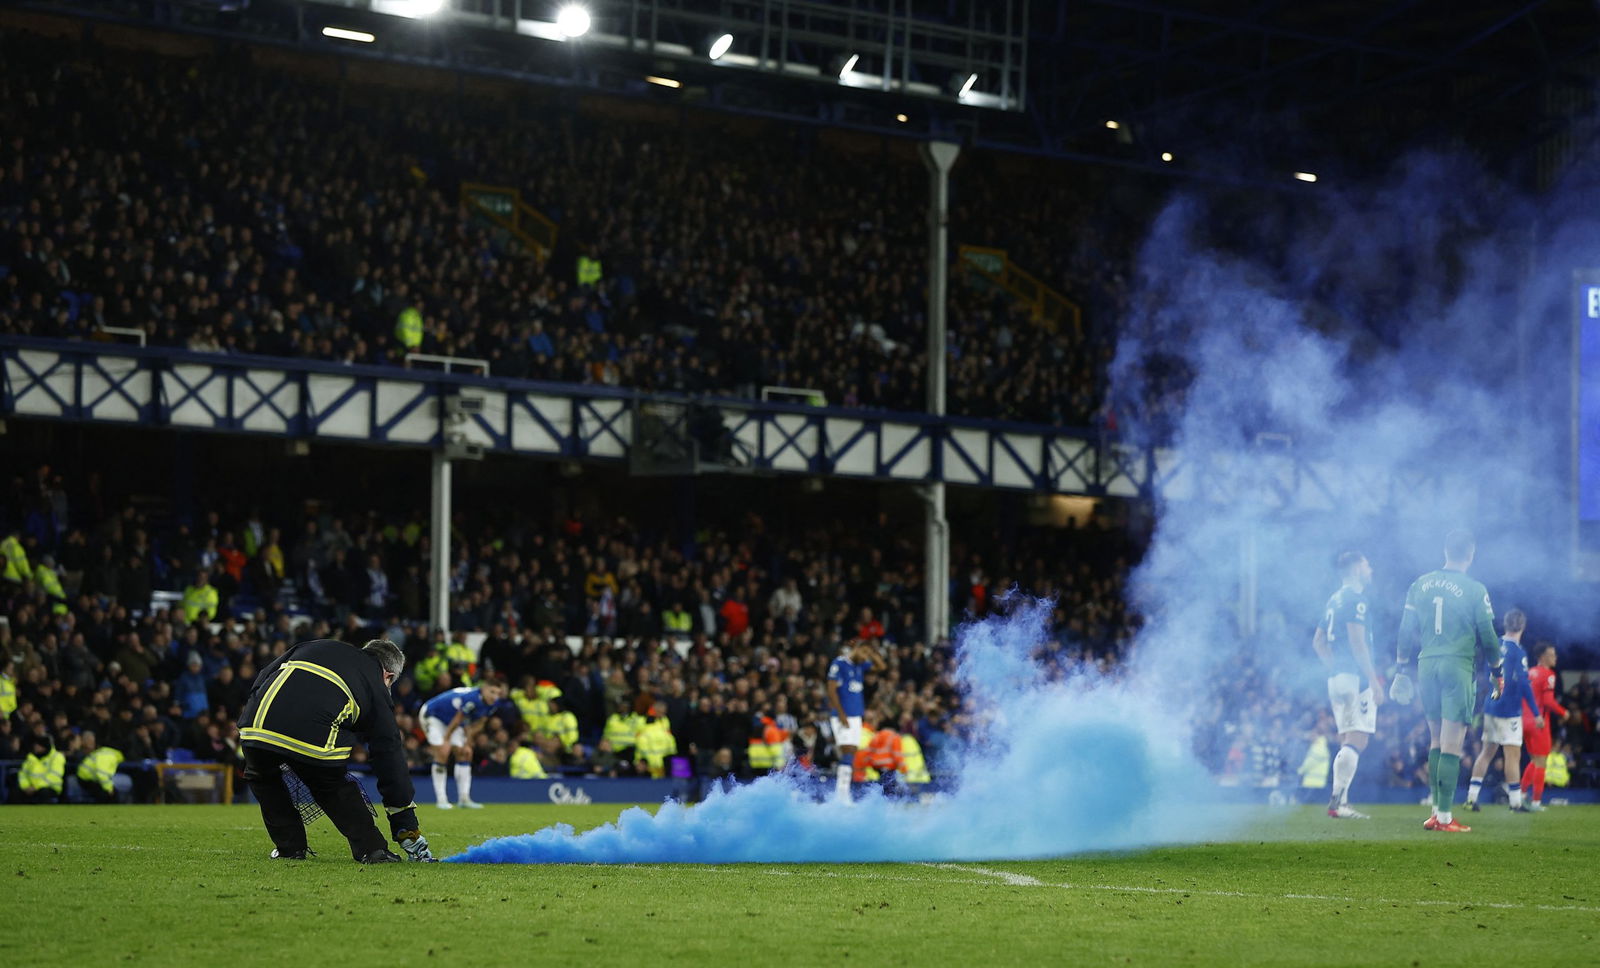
(314, 700)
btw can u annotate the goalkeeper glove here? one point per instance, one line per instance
(1400, 688)
(416, 846)
(1499, 684)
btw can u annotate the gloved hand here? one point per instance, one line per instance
(416, 846)
(1499, 686)
(1401, 690)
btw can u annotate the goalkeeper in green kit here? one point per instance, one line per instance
(1450, 616)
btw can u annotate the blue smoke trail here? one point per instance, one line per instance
(1059, 766)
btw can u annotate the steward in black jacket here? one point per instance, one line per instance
(305, 712)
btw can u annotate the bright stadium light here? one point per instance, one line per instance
(1166, 156)
(720, 46)
(966, 86)
(341, 33)
(1113, 125)
(415, 9)
(572, 20)
(849, 65)
(1305, 176)
(663, 81)
(901, 118)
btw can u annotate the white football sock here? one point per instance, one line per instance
(1446, 818)
(1344, 770)
(1514, 791)
(463, 782)
(1474, 788)
(842, 787)
(439, 775)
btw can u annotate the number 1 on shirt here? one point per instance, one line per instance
(1438, 615)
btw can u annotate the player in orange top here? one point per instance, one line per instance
(1543, 679)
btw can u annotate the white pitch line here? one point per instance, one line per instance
(1022, 880)
(186, 850)
(1011, 879)
(1015, 880)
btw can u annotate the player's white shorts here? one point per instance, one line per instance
(1353, 708)
(847, 733)
(435, 729)
(1502, 730)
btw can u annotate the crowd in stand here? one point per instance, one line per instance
(722, 639)
(601, 629)
(227, 208)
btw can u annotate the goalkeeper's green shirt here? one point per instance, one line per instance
(1451, 615)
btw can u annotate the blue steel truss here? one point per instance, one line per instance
(305, 400)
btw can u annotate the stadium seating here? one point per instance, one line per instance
(714, 257)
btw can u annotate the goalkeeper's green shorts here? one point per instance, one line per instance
(1446, 687)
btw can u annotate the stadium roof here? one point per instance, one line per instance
(1238, 89)
(1319, 75)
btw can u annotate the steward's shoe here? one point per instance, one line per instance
(469, 805)
(1432, 823)
(1346, 812)
(445, 805)
(300, 854)
(382, 855)
(1453, 827)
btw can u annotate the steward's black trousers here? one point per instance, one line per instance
(335, 793)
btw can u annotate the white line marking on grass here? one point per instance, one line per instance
(1015, 880)
(186, 850)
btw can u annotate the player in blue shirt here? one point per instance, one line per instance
(1502, 716)
(847, 702)
(451, 719)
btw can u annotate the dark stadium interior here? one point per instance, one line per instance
(234, 188)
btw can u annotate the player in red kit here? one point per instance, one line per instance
(1543, 679)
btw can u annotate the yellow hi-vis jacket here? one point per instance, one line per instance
(622, 731)
(1314, 768)
(408, 328)
(916, 763)
(588, 271)
(525, 765)
(48, 773)
(656, 743)
(1556, 771)
(199, 601)
(16, 560)
(99, 767)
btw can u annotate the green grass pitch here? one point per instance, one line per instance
(192, 885)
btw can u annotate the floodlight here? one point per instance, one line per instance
(343, 33)
(572, 20)
(720, 46)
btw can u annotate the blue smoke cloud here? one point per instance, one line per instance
(1361, 367)
(1060, 765)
